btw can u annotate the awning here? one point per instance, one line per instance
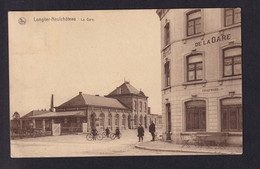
(60, 114)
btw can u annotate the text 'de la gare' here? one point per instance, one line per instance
(213, 39)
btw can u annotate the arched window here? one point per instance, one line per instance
(167, 34)
(141, 106)
(141, 119)
(196, 115)
(117, 120)
(231, 114)
(232, 64)
(123, 120)
(167, 74)
(102, 120)
(135, 105)
(135, 120)
(194, 22)
(194, 67)
(109, 119)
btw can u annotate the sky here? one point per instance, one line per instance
(93, 56)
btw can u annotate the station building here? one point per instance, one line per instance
(201, 68)
(124, 108)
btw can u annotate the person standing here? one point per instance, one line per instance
(140, 131)
(152, 130)
(107, 132)
(117, 133)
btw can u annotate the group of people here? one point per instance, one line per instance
(95, 132)
(140, 131)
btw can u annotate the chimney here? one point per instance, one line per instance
(97, 95)
(52, 104)
(80, 93)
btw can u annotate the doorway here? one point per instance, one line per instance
(169, 122)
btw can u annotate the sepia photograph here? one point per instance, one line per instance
(142, 82)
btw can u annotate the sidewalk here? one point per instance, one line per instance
(170, 147)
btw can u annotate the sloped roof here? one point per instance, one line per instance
(35, 112)
(92, 100)
(126, 88)
(60, 114)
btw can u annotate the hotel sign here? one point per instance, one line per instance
(212, 40)
(212, 90)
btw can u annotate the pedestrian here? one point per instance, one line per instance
(107, 132)
(152, 130)
(140, 131)
(117, 133)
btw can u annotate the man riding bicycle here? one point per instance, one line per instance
(94, 133)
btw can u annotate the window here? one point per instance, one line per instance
(135, 120)
(102, 120)
(145, 107)
(123, 120)
(231, 114)
(194, 23)
(232, 62)
(167, 73)
(194, 68)
(167, 34)
(109, 119)
(141, 106)
(117, 120)
(196, 115)
(135, 105)
(232, 16)
(38, 123)
(141, 119)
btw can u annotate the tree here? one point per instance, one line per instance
(16, 116)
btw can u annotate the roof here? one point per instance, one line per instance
(35, 112)
(158, 115)
(92, 100)
(126, 88)
(60, 114)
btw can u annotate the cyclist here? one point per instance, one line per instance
(94, 133)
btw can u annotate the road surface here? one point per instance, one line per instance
(78, 146)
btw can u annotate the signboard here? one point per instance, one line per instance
(85, 127)
(213, 39)
(56, 129)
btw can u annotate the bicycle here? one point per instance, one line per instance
(113, 136)
(92, 137)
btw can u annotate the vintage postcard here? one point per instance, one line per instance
(125, 82)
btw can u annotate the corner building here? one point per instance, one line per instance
(201, 70)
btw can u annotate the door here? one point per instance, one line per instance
(93, 121)
(56, 129)
(169, 122)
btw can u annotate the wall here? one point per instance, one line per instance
(213, 87)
